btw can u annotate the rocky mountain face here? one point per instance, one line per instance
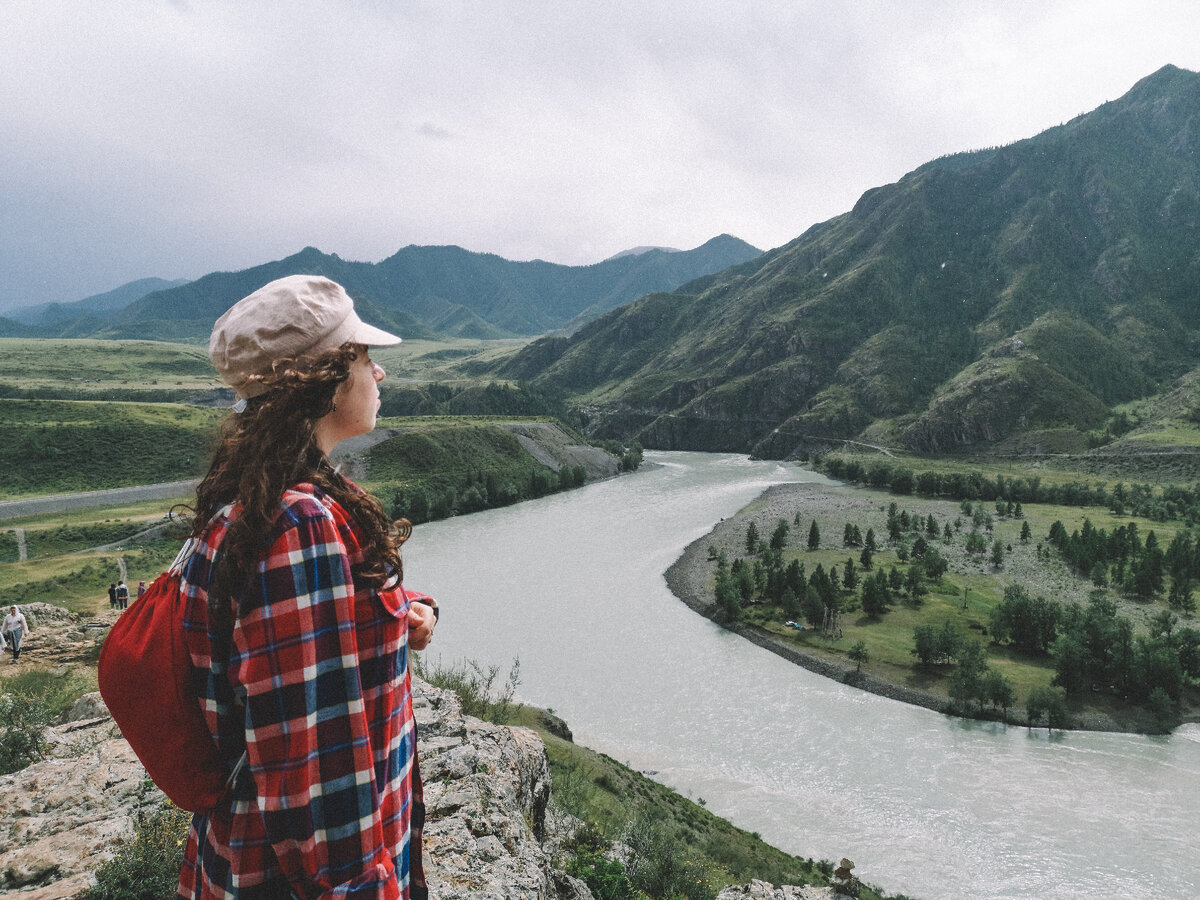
(984, 295)
(420, 292)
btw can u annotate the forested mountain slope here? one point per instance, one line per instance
(983, 295)
(423, 292)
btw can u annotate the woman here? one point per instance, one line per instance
(296, 622)
(15, 628)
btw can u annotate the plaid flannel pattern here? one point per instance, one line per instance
(329, 803)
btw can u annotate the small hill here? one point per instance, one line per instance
(983, 295)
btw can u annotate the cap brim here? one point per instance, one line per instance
(372, 336)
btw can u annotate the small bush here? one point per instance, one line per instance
(659, 867)
(146, 868)
(31, 702)
(591, 861)
(476, 687)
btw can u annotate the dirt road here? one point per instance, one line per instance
(11, 509)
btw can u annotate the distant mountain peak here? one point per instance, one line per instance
(638, 251)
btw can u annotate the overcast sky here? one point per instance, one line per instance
(156, 138)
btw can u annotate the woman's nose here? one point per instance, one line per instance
(377, 371)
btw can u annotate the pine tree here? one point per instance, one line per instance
(752, 538)
(814, 536)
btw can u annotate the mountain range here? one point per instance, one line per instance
(1016, 290)
(419, 292)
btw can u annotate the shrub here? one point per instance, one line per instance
(31, 702)
(476, 687)
(146, 868)
(591, 860)
(658, 865)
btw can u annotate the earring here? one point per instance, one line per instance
(334, 408)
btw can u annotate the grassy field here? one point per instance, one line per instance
(101, 370)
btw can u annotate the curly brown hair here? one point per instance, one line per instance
(270, 446)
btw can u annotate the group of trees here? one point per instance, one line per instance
(1158, 504)
(475, 490)
(1093, 647)
(1136, 567)
(762, 577)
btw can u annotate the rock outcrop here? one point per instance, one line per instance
(487, 789)
(761, 890)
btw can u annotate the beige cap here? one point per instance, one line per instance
(293, 316)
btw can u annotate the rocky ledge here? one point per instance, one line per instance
(487, 789)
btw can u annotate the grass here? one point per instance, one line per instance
(102, 370)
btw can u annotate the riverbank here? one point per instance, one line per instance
(690, 578)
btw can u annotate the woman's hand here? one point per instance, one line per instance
(420, 625)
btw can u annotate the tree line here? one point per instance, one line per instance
(1170, 502)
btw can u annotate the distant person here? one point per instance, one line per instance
(15, 628)
(112, 596)
(298, 627)
(141, 589)
(122, 595)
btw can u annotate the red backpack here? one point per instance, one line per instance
(145, 680)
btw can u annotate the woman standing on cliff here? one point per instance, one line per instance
(296, 621)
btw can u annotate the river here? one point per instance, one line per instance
(929, 805)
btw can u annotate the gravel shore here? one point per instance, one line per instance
(690, 577)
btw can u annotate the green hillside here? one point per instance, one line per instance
(51, 446)
(984, 295)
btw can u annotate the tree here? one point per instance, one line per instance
(780, 535)
(752, 538)
(813, 606)
(1070, 663)
(791, 603)
(914, 583)
(729, 600)
(1026, 532)
(924, 643)
(869, 540)
(998, 691)
(997, 554)
(1045, 701)
(976, 543)
(1180, 597)
(935, 564)
(794, 578)
(849, 576)
(864, 558)
(858, 655)
(965, 683)
(875, 595)
(931, 526)
(814, 536)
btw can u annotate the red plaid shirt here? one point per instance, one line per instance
(328, 802)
